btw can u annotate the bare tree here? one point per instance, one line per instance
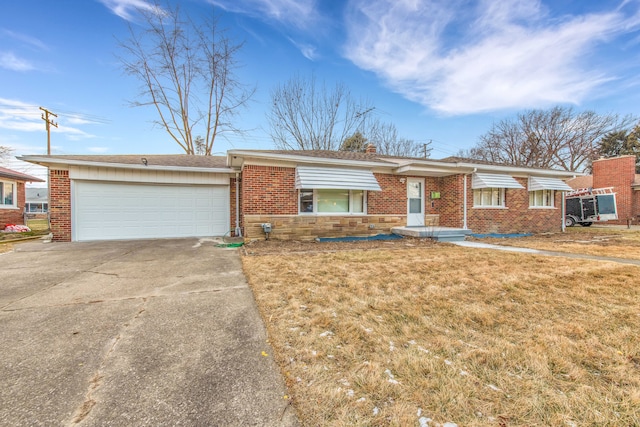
(385, 137)
(556, 138)
(5, 152)
(187, 70)
(306, 115)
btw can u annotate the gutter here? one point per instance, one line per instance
(231, 154)
(43, 161)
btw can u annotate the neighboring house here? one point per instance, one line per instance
(12, 196)
(36, 201)
(302, 194)
(619, 173)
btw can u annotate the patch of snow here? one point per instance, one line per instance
(376, 410)
(492, 387)
(412, 342)
(447, 362)
(326, 334)
(463, 373)
(391, 379)
(419, 412)
(350, 393)
(362, 399)
(422, 349)
(449, 424)
(424, 421)
(391, 346)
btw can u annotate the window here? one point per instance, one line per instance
(541, 199)
(488, 197)
(7, 197)
(332, 201)
(36, 207)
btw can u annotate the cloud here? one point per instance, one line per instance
(308, 51)
(458, 58)
(126, 9)
(294, 13)
(98, 150)
(26, 39)
(11, 62)
(20, 116)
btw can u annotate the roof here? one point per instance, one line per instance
(175, 162)
(235, 159)
(180, 160)
(581, 182)
(401, 165)
(37, 194)
(18, 176)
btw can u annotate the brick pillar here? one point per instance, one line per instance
(60, 205)
(619, 173)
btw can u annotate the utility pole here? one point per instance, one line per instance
(426, 149)
(49, 123)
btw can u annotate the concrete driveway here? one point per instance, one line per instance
(162, 332)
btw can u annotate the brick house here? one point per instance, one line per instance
(302, 194)
(12, 196)
(619, 173)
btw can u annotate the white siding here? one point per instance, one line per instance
(150, 176)
(110, 211)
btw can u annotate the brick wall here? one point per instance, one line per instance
(232, 204)
(268, 190)
(14, 216)
(517, 217)
(450, 205)
(618, 172)
(60, 205)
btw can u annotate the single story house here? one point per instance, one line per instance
(620, 174)
(301, 194)
(36, 201)
(12, 196)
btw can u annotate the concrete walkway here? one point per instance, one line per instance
(161, 332)
(481, 245)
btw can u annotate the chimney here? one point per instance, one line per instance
(370, 148)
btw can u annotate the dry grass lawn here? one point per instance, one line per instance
(620, 243)
(427, 334)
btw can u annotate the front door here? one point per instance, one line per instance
(415, 202)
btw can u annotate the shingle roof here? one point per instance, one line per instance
(581, 182)
(177, 160)
(19, 176)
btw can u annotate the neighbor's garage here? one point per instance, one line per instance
(122, 210)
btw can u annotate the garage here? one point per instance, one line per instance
(121, 210)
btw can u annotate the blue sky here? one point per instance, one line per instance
(440, 70)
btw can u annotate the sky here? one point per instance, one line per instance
(442, 71)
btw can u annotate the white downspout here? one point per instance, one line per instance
(238, 231)
(465, 226)
(464, 203)
(564, 228)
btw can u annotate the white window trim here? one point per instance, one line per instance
(315, 204)
(553, 200)
(15, 195)
(502, 204)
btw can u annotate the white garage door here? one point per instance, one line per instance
(109, 211)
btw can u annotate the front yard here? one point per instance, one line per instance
(416, 333)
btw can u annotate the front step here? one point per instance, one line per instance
(439, 234)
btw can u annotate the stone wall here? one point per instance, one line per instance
(308, 227)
